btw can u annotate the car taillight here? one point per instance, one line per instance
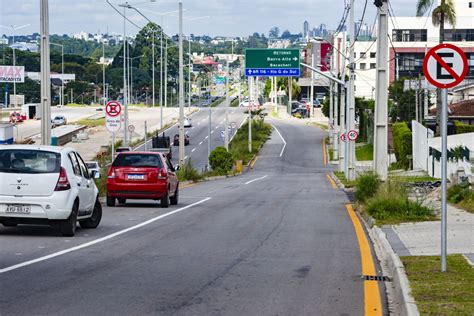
(63, 182)
(161, 174)
(111, 173)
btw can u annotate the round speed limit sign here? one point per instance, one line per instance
(352, 135)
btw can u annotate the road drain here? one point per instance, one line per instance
(379, 278)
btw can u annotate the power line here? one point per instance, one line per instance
(361, 20)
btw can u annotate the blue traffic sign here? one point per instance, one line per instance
(280, 72)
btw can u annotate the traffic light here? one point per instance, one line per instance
(378, 3)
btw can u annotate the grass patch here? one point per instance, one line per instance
(462, 196)
(366, 186)
(217, 102)
(438, 293)
(365, 152)
(390, 205)
(412, 179)
(238, 147)
(188, 172)
(75, 105)
(340, 175)
(331, 154)
(92, 123)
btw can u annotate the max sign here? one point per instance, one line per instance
(12, 74)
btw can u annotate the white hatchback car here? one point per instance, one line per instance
(47, 185)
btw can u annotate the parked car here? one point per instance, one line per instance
(142, 175)
(47, 185)
(17, 117)
(59, 120)
(93, 166)
(176, 140)
(123, 149)
(245, 103)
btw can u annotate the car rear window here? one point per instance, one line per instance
(138, 160)
(29, 161)
(91, 165)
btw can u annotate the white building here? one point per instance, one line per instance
(411, 37)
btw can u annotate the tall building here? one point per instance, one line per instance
(306, 29)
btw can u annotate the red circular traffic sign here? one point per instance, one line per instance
(113, 108)
(445, 66)
(343, 137)
(352, 135)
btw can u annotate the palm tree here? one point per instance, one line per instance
(443, 13)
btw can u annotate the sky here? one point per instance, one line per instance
(201, 17)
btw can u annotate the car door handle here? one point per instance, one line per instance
(78, 184)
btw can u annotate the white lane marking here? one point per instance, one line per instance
(185, 157)
(200, 143)
(206, 137)
(248, 182)
(99, 240)
(194, 149)
(284, 142)
(212, 132)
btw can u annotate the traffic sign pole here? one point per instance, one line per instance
(444, 168)
(444, 66)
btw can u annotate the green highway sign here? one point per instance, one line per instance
(272, 62)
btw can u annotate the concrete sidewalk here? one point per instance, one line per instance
(423, 238)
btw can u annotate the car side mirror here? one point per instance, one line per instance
(176, 168)
(95, 174)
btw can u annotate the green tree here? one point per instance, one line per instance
(403, 107)
(443, 13)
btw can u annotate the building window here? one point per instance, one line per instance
(372, 55)
(372, 65)
(471, 4)
(362, 66)
(459, 35)
(362, 55)
(409, 35)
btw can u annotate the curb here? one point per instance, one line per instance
(398, 291)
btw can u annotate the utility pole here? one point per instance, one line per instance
(336, 114)
(351, 99)
(311, 92)
(153, 66)
(166, 80)
(189, 74)
(290, 96)
(342, 112)
(425, 95)
(181, 87)
(381, 97)
(125, 93)
(161, 75)
(331, 109)
(226, 129)
(103, 74)
(45, 76)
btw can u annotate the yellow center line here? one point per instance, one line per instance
(372, 300)
(333, 183)
(324, 152)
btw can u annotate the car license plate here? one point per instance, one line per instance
(135, 177)
(19, 209)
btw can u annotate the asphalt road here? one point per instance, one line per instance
(274, 241)
(197, 150)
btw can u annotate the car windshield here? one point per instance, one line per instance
(137, 160)
(29, 161)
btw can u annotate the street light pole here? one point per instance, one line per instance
(153, 66)
(189, 83)
(125, 99)
(226, 129)
(62, 71)
(161, 75)
(351, 98)
(45, 76)
(181, 87)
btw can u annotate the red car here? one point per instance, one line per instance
(142, 175)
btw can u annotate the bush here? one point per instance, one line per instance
(462, 128)
(239, 144)
(458, 193)
(366, 186)
(402, 142)
(188, 172)
(221, 160)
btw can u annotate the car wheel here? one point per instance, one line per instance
(165, 201)
(174, 198)
(122, 200)
(68, 226)
(110, 201)
(94, 220)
